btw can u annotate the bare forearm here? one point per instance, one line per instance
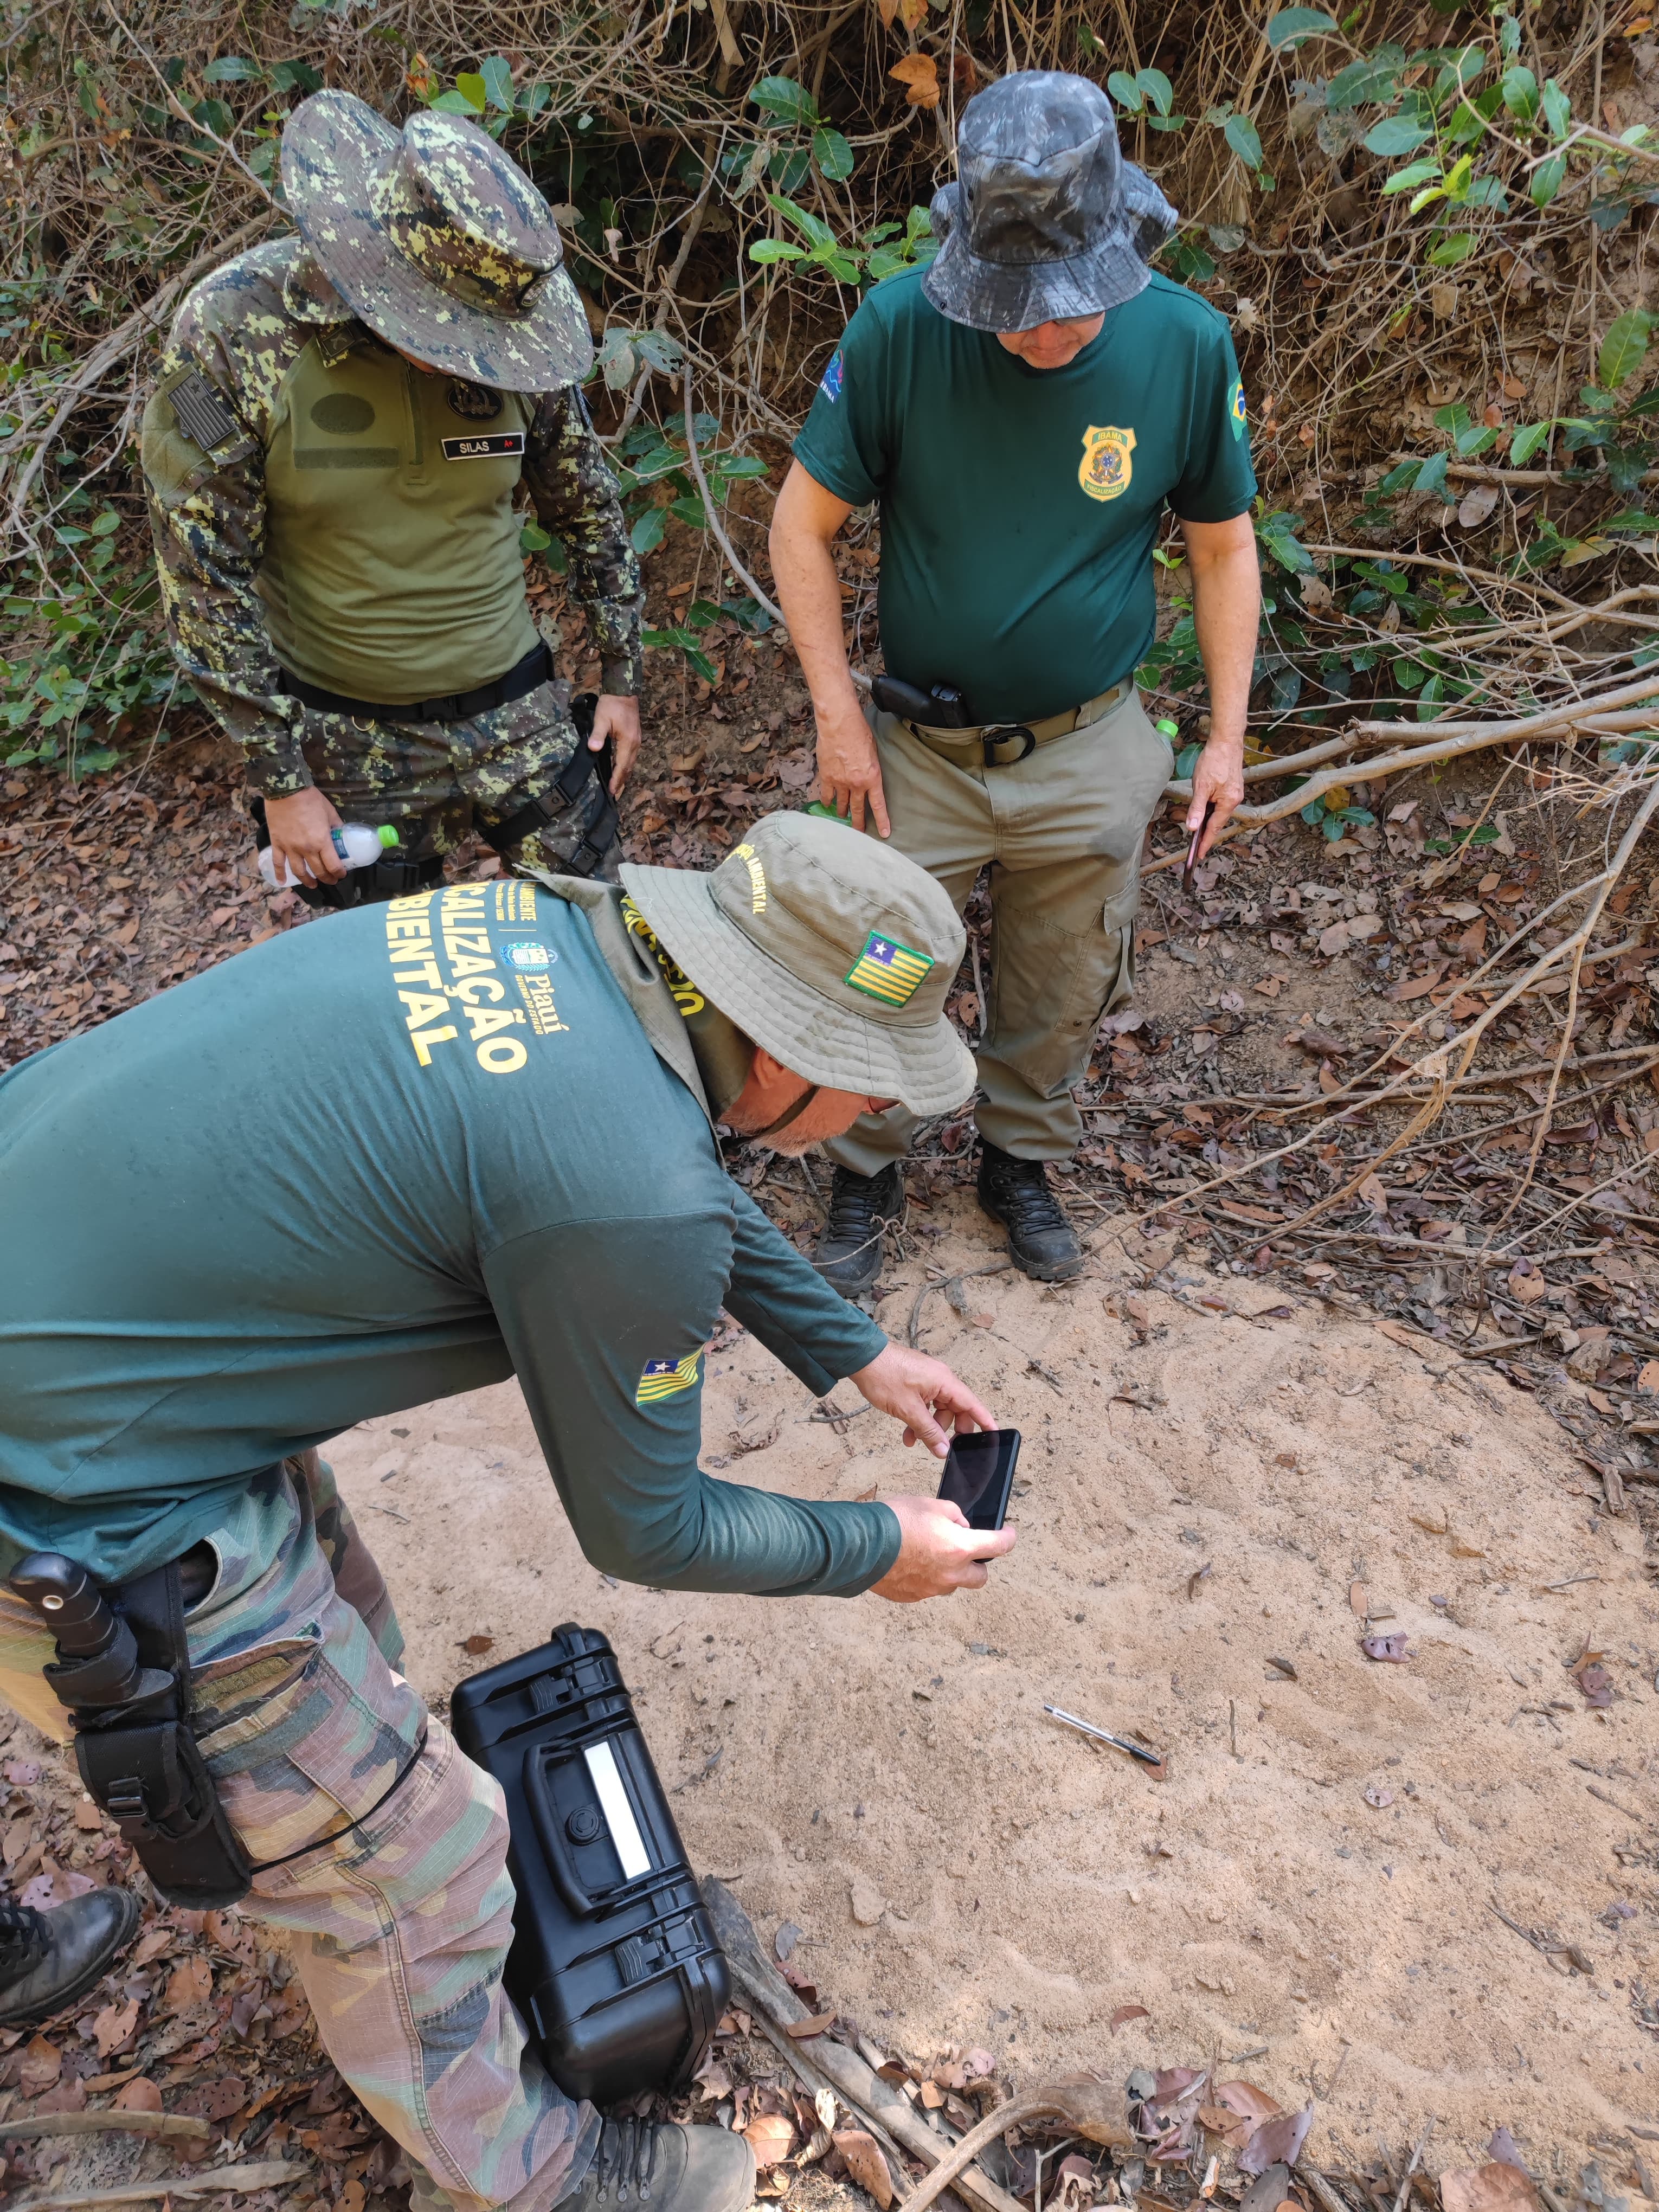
(1226, 615)
(809, 592)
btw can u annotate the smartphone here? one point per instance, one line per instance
(979, 1475)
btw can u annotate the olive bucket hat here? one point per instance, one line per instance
(438, 240)
(1047, 221)
(828, 949)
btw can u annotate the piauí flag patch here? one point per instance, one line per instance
(1236, 413)
(888, 970)
(662, 1379)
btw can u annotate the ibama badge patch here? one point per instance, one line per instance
(663, 1378)
(1106, 466)
(888, 970)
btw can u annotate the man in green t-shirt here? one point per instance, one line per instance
(1021, 413)
(334, 450)
(503, 1162)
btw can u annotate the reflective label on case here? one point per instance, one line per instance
(618, 1813)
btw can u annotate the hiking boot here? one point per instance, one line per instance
(48, 1959)
(862, 1208)
(665, 2167)
(1016, 1192)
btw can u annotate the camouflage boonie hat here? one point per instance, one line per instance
(438, 240)
(1047, 221)
(827, 947)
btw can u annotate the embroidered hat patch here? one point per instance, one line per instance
(888, 970)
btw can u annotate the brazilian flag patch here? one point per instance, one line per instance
(1236, 414)
(888, 970)
(662, 1379)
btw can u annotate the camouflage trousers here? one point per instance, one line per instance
(400, 1922)
(435, 782)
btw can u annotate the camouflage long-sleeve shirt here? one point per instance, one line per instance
(209, 432)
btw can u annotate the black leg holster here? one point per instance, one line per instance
(600, 818)
(137, 1754)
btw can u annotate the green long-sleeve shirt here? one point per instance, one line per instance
(361, 1166)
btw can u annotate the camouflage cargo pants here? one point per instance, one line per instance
(435, 782)
(402, 1924)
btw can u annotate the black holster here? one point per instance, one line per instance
(137, 1754)
(571, 790)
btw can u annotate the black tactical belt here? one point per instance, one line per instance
(521, 679)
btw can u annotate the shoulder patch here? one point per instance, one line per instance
(662, 1379)
(201, 415)
(1236, 415)
(833, 377)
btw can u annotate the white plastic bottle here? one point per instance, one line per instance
(357, 845)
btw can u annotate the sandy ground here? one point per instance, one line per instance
(1314, 1880)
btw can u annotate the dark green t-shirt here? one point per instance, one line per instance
(402, 1153)
(1019, 507)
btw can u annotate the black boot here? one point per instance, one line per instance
(667, 2168)
(862, 1208)
(48, 1959)
(1016, 1192)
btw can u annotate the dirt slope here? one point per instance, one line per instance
(1314, 1880)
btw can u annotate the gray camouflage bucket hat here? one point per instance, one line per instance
(438, 240)
(827, 947)
(1048, 221)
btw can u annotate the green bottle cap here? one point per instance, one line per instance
(1171, 729)
(387, 836)
(828, 813)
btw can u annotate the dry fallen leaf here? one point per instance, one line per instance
(140, 2096)
(1594, 1681)
(190, 1983)
(1497, 2188)
(476, 1646)
(1358, 1599)
(862, 2157)
(1276, 2142)
(152, 1943)
(86, 1816)
(1527, 1288)
(1285, 1668)
(784, 1942)
(815, 2026)
(41, 2063)
(1393, 1647)
(1269, 987)
(919, 74)
(1125, 2014)
(113, 2025)
(768, 2135)
(1374, 1196)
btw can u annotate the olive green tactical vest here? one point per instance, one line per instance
(392, 569)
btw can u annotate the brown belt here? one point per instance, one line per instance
(988, 744)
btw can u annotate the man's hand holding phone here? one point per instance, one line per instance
(939, 1552)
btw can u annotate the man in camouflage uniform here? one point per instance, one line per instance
(333, 453)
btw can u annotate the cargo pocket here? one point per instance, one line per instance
(1050, 987)
(1118, 920)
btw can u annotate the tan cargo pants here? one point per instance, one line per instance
(1062, 831)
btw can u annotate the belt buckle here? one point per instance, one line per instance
(1002, 733)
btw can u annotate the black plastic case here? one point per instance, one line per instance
(614, 1966)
